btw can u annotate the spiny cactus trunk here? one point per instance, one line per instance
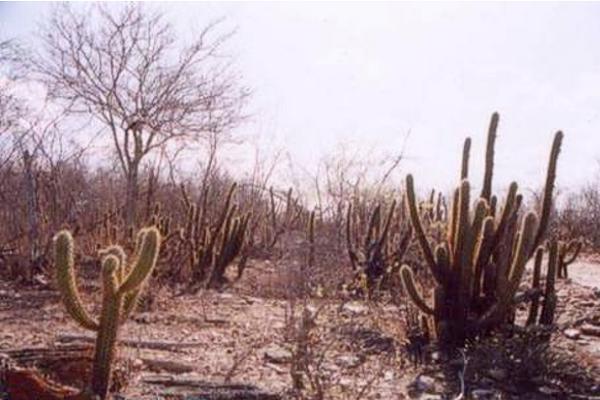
(106, 343)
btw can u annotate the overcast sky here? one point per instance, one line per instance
(366, 74)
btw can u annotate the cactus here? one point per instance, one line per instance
(121, 286)
(478, 267)
(213, 247)
(546, 316)
(549, 305)
(567, 254)
(310, 229)
(535, 285)
(381, 252)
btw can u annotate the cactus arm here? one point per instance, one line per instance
(548, 189)
(109, 324)
(549, 306)
(493, 205)
(482, 251)
(526, 237)
(486, 190)
(509, 286)
(418, 229)
(473, 241)
(408, 282)
(535, 285)
(118, 252)
(349, 241)
(226, 208)
(373, 229)
(311, 239)
(65, 279)
(388, 223)
(273, 212)
(144, 263)
(464, 169)
(508, 210)
(573, 248)
(462, 233)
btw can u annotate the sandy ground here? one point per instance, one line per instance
(586, 272)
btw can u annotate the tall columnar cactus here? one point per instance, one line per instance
(567, 254)
(479, 266)
(121, 287)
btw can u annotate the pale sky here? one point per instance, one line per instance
(366, 74)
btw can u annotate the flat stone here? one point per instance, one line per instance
(355, 308)
(572, 333)
(348, 361)
(278, 355)
(483, 394)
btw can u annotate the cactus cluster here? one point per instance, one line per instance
(122, 283)
(479, 265)
(373, 249)
(213, 247)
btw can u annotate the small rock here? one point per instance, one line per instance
(572, 333)
(40, 280)
(424, 383)
(498, 374)
(355, 308)
(348, 361)
(548, 391)
(278, 355)
(483, 394)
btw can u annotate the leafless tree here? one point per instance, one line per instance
(11, 109)
(126, 69)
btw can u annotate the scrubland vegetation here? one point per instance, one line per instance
(206, 287)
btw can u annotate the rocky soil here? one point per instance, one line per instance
(357, 348)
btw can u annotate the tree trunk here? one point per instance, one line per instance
(31, 207)
(131, 195)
